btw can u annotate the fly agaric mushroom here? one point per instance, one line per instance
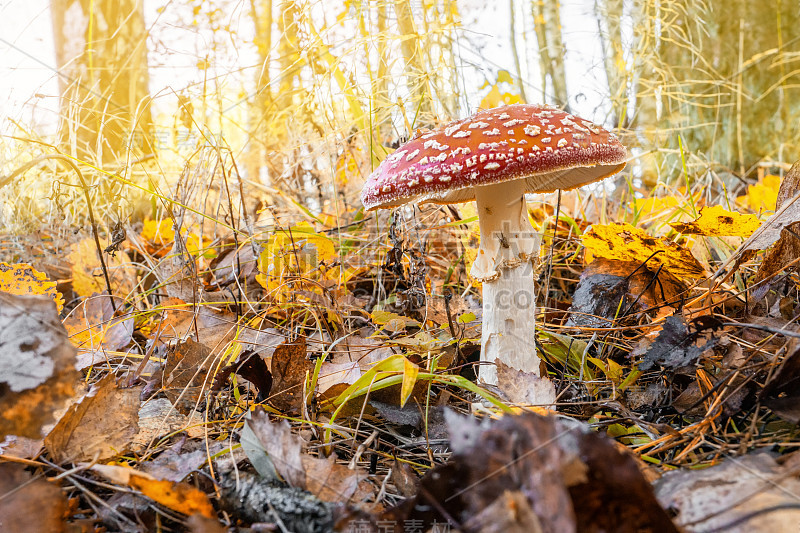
(495, 157)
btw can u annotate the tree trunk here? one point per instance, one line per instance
(101, 55)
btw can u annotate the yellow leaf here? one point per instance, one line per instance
(717, 222)
(294, 253)
(410, 371)
(623, 242)
(87, 273)
(763, 195)
(655, 204)
(158, 231)
(22, 279)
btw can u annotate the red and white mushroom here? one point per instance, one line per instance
(495, 157)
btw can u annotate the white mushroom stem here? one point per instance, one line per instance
(505, 265)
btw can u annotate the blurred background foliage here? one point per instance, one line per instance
(302, 99)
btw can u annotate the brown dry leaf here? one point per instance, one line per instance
(101, 425)
(200, 524)
(782, 392)
(750, 494)
(180, 497)
(323, 477)
(87, 273)
(93, 326)
(523, 387)
(624, 242)
(22, 279)
(606, 283)
(289, 368)
(787, 248)
(570, 478)
(29, 505)
(718, 222)
(283, 447)
(186, 374)
(333, 482)
(37, 372)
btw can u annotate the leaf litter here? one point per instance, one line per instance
(323, 378)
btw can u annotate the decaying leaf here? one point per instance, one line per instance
(37, 373)
(180, 497)
(22, 279)
(718, 222)
(186, 374)
(289, 369)
(787, 248)
(624, 242)
(28, 503)
(610, 289)
(87, 274)
(751, 494)
(323, 477)
(100, 426)
(92, 325)
(557, 475)
(782, 392)
(676, 346)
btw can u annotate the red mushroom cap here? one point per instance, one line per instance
(548, 148)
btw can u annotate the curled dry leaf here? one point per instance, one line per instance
(787, 248)
(37, 373)
(609, 288)
(324, 478)
(100, 426)
(558, 475)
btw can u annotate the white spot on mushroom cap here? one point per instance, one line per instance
(513, 122)
(562, 142)
(433, 143)
(503, 116)
(479, 124)
(532, 130)
(451, 129)
(491, 166)
(492, 132)
(545, 139)
(412, 155)
(461, 134)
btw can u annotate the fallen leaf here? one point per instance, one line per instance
(763, 195)
(180, 497)
(100, 426)
(28, 503)
(186, 374)
(717, 222)
(92, 325)
(787, 248)
(37, 373)
(675, 346)
(623, 242)
(289, 369)
(22, 279)
(608, 289)
(87, 273)
(782, 392)
(750, 494)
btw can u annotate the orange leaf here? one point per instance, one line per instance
(24, 280)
